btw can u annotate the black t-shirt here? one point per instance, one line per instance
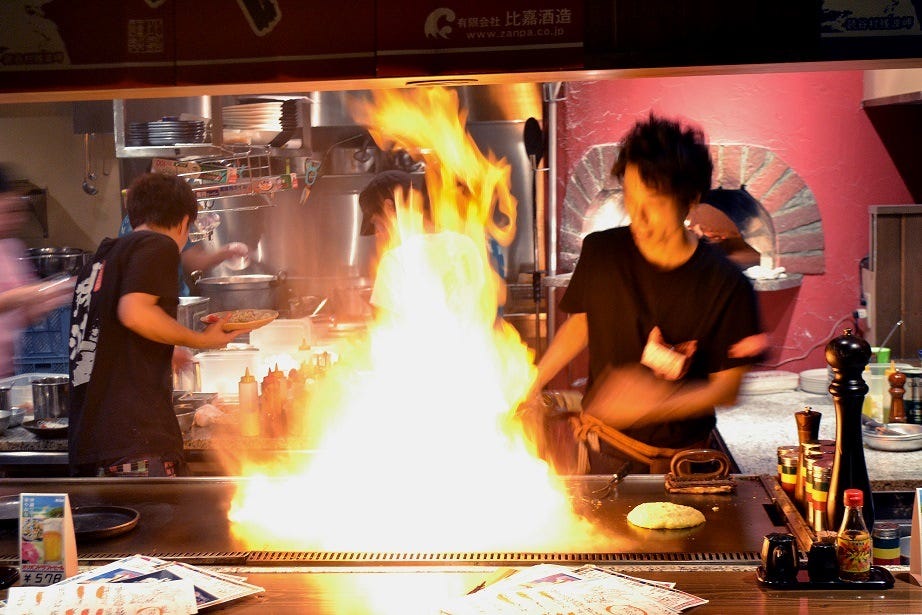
(624, 296)
(121, 400)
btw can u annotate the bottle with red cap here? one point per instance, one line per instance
(853, 545)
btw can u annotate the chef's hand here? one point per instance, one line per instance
(628, 396)
(182, 358)
(214, 335)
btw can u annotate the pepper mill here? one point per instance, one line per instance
(897, 411)
(808, 430)
(847, 355)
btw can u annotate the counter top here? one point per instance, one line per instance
(757, 425)
(411, 591)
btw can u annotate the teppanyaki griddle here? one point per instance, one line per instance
(186, 519)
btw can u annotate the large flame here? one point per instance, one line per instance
(416, 444)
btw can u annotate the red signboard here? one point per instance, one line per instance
(219, 41)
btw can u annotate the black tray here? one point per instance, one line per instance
(95, 522)
(9, 511)
(46, 432)
(879, 578)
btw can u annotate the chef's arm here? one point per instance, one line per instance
(571, 338)
(197, 258)
(140, 313)
(631, 396)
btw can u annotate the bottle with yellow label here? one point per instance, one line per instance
(853, 544)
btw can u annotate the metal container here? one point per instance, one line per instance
(907, 437)
(51, 397)
(238, 292)
(6, 398)
(50, 261)
(190, 312)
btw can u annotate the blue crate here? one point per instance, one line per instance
(51, 365)
(47, 339)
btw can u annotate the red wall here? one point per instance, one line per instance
(814, 122)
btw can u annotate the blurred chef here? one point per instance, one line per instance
(671, 324)
(23, 298)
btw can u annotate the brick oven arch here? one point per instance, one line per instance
(593, 201)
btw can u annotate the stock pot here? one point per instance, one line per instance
(237, 292)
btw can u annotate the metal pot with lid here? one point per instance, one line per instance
(236, 292)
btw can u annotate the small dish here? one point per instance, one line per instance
(16, 414)
(47, 428)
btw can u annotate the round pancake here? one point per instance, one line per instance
(664, 516)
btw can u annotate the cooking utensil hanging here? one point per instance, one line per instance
(533, 137)
(88, 175)
(898, 324)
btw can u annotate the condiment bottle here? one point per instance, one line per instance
(853, 544)
(248, 390)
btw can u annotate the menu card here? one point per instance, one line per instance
(47, 545)
(132, 585)
(590, 590)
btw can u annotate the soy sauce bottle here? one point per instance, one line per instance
(853, 544)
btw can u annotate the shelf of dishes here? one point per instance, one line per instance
(209, 128)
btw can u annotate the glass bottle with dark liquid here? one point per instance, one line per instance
(853, 544)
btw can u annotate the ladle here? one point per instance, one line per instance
(883, 344)
(88, 187)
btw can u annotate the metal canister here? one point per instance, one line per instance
(819, 488)
(784, 450)
(788, 474)
(912, 398)
(886, 537)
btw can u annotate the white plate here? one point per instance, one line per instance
(764, 382)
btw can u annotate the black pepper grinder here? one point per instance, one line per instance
(808, 430)
(847, 355)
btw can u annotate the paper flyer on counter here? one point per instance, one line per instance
(207, 588)
(547, 588)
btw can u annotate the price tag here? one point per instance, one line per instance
(915, 555)
(47, 544)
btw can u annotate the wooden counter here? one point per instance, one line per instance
(396, 591)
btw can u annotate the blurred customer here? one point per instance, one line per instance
(23, 298)
(123, 332)
(670, 323)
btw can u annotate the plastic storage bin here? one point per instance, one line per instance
(220, 370)
(43, 347)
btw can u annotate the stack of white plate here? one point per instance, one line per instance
(764, 382)
(815, 381)
(254, 116)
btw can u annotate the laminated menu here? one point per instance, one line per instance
(137, 581)
(589, 590)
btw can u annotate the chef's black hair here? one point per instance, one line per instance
(672, 159)
(160, 199)
(381, 187)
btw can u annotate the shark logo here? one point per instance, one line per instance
(432, 23)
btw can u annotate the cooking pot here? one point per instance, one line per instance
(51, 397)
(50, 261)
(239, 292)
